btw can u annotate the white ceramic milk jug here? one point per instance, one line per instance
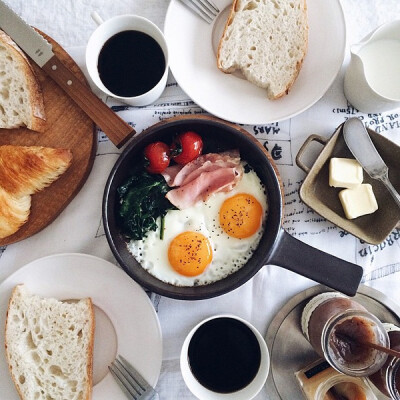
(372, 79)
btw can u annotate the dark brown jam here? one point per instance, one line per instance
(131, 63)
(224, 355)
(347, 338)
(379, 378)
(323, 313)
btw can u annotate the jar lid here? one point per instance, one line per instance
(312, 305)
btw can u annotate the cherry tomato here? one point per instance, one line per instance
(157, 155)
(186, 147)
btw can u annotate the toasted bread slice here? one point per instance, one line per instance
(267, 40)
(14, 212)
(27, 169)
(49, 346)
(21, 97)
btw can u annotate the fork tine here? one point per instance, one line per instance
(203, 12)
(210, 6)
(133, 372)
(129, 379)
(122, 383)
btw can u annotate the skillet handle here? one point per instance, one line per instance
(303, 149)
(294, 255)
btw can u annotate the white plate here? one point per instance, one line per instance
(126, 322)
(192, 47)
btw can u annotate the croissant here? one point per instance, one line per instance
(25, 170)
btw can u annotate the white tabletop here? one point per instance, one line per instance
(70, 24)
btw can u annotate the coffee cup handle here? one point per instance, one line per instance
(96, 17)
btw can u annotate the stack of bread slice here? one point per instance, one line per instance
(49, 346)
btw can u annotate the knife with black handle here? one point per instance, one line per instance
(40, 51)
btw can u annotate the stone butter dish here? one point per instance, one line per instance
(316, 193)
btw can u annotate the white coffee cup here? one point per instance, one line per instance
(109, 28)
(246, 393)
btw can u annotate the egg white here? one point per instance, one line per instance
(229, 253)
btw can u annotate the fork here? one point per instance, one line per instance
(130, 381)
(204, 8)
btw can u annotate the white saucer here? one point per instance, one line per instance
(126, 322)
(192, 47)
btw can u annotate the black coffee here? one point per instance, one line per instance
(224, 355)
(131, 63)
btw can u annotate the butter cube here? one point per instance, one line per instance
(359, 201)
(345, 172)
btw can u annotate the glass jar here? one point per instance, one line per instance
(330, 319)
(393, 379)
(344, 387)
(319, 381)
(387, 379)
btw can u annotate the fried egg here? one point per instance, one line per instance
(208, 241)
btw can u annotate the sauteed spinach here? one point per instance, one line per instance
(141, 201)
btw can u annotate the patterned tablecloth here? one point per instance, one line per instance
(79, 229)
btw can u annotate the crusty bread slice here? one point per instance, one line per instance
(14, 212)
(49, 346)
(28, 169)
(21, 98)
(267, 40)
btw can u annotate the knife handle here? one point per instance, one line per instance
(117, 130)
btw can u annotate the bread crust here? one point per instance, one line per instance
(6, 347)
(227, 23)
(233, 10)
(90, 351)
(34, 89)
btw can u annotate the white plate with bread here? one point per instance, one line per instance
(125, 323)
(312, 65)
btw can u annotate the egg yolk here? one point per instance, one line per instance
(189, 253)
(240, 216)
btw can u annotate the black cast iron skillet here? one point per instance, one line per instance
(276, 247)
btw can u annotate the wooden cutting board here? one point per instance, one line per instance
(67, 126)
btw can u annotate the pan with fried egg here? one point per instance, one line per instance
(271, 245)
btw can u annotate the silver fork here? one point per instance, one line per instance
(205, 8)
(130, 381)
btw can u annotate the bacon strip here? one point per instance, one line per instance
(199, 179)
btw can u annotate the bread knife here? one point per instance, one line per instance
(41, 52)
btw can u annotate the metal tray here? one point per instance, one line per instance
(290, 351)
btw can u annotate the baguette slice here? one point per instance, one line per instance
(49, 346)
(27, 169)
(21, 98)
(267, 40)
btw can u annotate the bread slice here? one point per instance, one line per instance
(21, 98)
(49, 346)
(28, 169)
(267, 40)
(14, 212)
(25, 170)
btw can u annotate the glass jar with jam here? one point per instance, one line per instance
(335, 326)
(387, 379)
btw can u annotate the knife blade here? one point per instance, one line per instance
(41, 52)
(360, 144)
